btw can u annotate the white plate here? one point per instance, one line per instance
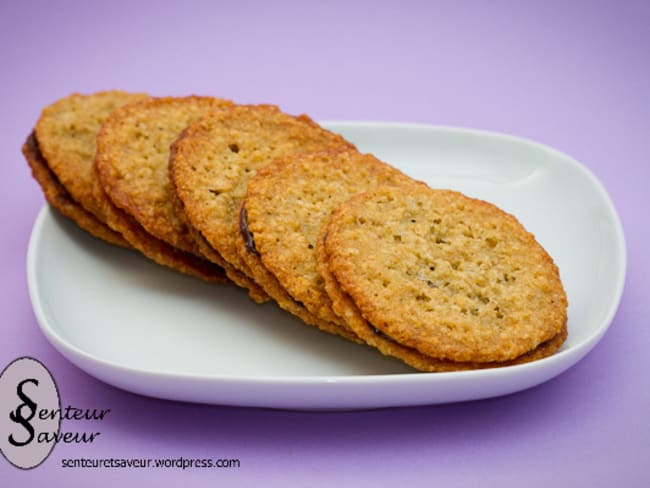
(152, 331)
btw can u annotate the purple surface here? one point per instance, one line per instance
(573, 75)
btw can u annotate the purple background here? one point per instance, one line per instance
(573, 75)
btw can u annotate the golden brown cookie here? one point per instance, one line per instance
(132, 165)
(345, 308)
(133, 161)
(452, 277)
(218, 154)
(66, 133)
(59, 198)
(240, 278)
(271, 285)
(280, 228)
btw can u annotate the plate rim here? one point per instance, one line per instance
(559, 362)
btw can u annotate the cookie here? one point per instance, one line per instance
(133, 158)
(61, 151)
(270, 284)
(59, 198)
(452, 277)
(345, 308)
(132, 167)
(217, 155)
(66, 134)
(240, 278)
(280, 228)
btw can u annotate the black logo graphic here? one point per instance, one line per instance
(18, 416)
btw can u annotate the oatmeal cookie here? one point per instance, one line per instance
(452, 277)
(281, 227)
(217, 155)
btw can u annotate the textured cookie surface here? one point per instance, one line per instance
(284, 225)
(345, 308)
(452, 277)
(270, 284)
(132, 166)
(133, 161)
(66, 133)
(217, 155)
(59, 198)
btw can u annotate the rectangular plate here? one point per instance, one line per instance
(149, 330)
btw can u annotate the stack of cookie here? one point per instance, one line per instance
(294, 213)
